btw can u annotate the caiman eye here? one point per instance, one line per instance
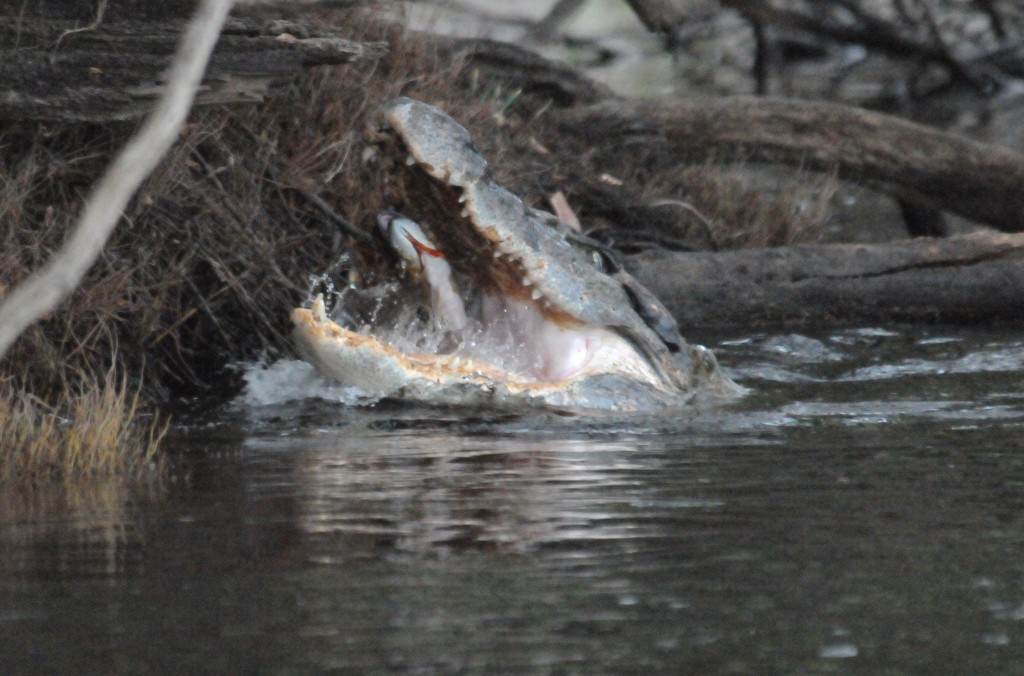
(606, 261)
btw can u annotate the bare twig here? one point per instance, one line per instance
(333, 216)
(866, 29)
(275, 175)
(41, 292)
(101, 9)
(688, 208)
(556, 16)
(660, 16)
(928, 12)
(870, 32)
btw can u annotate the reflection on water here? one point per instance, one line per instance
(862, 510)
(76, 528)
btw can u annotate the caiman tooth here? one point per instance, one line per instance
(536, 294)
(465, 213)
(318, 308)
(527, 281)
(410, 160)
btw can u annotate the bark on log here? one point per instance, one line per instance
(58, 70)
(969, 279)
(913, 163)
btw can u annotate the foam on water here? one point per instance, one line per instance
(987, 359)
(292, 380)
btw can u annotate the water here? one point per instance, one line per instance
(862, 511)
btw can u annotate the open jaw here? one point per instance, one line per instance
(499, 304)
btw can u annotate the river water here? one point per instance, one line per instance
(862, 510)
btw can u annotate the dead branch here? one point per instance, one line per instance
(556, 16)
(660, 16)
(41, 292)
(871, 33)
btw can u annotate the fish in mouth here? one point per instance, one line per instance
(524, 309)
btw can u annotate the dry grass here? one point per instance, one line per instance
(212, 253)
(745, 208)
(95, 430)
(640, 198)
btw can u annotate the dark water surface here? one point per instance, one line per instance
(862, 511)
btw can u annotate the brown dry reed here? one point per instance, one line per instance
(221, 241)
(93, 430)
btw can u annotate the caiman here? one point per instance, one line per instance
(521, 307)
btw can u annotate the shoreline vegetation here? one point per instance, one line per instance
(92, 427)
(95, 429)
(258, 196)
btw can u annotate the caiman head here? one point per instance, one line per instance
(527, 309)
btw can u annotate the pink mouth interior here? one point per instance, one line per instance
(544, 350)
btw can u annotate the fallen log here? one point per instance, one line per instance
(969, 279)
(57, 70)
(911, 162)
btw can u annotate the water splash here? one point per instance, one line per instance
(292, 380)
(498, 332)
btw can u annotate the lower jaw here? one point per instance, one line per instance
(366, 363)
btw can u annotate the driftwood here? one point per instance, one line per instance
(912, 162)
(969, 279)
